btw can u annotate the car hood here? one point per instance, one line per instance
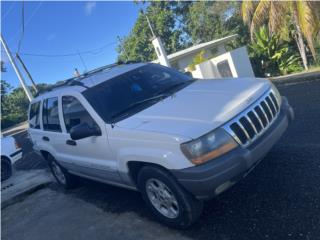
(198, 108)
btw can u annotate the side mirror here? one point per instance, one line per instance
(83, 130)
(188, 73)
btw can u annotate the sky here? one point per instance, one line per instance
(64, 28)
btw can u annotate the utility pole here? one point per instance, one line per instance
(28, 73)
(15, 67)
(153, 35)
(158, 46)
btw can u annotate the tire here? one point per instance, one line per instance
(6, 169)
(62, 176)
(179, 211)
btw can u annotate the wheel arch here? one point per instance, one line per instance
(6, 158)
(134, 168)
(45, 154)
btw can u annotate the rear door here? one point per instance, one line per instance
(91, 156)
(35, 124)
(51, 137)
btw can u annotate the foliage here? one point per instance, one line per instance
(14, 107)
(271, 55)
(2, 69)
(138, 45)
(14, 104)
(199, 58)
(180, 24)
(208, 20)
(304, 16)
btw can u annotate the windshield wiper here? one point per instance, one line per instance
(174, 86)
(136, 104)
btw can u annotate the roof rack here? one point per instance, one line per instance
(76, 81)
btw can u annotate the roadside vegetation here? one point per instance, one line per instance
(282, 37)
(14, 102)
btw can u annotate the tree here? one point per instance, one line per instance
(271, 55)
(3, 68)
(5, 87)
(14, 103)
(208, 20)
(303, 15)
(138, 44)
(182, 23)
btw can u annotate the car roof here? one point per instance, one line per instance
(89, 79)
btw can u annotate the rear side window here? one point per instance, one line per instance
(74, 113)
(34, 115)
(50, 115)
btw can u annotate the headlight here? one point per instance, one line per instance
(276, 93)
(209, 146)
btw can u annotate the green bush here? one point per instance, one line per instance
(14, 104)
(199, 58)
(271, 56)
(12, 119)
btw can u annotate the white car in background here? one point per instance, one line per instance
(10, 153)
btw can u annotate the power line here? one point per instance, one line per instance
(94, 51)
(27, 21)
(22, 25)
(123, 48)
(83, 63)
(7, 13)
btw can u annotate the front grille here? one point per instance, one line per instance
(255, 120)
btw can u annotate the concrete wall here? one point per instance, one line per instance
(242, 62)
(185, 61)
(230, 64)
(204, 70)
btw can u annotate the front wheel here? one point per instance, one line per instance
(168, 201)
(63, 177)
(6, 169)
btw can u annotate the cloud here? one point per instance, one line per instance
(89, 7)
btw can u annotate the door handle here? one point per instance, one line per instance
(71, 142)
(44, 138)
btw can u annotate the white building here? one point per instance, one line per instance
(220, 63)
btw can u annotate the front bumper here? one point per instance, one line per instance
(210, 179)
(16, 156)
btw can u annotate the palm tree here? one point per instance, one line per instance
(304, 15)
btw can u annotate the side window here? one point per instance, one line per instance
(34, 115)
(50, 115)
(74, 113)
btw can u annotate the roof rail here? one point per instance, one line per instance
(76, 81)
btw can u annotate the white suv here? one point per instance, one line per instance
(150, 128)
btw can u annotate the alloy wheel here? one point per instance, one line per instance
(162, 198)
(57, 171)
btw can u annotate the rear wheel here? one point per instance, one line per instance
(6, 169)
(168, 201)
(63, 177)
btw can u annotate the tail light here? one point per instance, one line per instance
(16, 144)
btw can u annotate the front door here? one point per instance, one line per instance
(91, 156)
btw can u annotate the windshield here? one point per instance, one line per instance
(129, 93)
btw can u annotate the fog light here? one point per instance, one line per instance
(223, 187)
